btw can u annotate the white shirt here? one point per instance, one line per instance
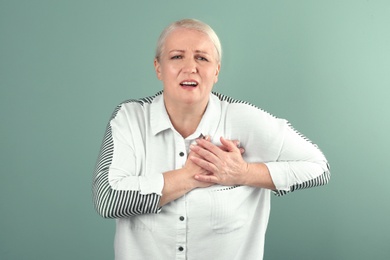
(218, 222)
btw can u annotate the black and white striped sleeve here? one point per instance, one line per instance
(296, 163)
(300, 164)
(118, 190)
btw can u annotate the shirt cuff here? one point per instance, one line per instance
(149, 185)
(278, 174)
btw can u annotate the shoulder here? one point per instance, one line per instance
(253, 126)
(243, 110)
(245, 119)
(134, 106)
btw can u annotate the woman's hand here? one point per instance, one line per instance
(192, 169)
(223, 165)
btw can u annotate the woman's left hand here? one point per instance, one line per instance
(225, 165)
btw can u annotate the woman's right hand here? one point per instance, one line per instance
(192, 169)
(181, 181)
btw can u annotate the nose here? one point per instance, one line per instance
(190, 66)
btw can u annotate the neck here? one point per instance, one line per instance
(185, 118)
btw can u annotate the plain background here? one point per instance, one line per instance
(65, 65)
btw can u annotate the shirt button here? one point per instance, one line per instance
(181, 154)
(181, 248)
(181, 218)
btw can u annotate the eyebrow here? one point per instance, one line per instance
(196, 51)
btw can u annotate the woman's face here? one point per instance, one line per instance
(188, 67)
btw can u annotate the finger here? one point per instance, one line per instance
(236, 143)
(205, 165)
(230, 145)
(205, 137)
(223, 148)
(203, 153)
(206, 178)
(209, 146)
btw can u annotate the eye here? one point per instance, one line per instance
(201, 58)
(176, 57)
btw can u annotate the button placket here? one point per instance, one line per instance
(181, 214)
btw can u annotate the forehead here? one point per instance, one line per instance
(183, 39)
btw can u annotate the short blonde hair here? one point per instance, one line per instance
(189, 24)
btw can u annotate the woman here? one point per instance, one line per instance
(176, 195)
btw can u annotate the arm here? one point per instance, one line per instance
(120, 196)
(300, 165)
(227, 167)
(118, 189)
(179, 182)
(117, 199)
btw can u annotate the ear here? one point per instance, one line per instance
(217, 73)
(157, 68)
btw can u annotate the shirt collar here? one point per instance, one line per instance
(159, 118)
(208, 125)
(210, 120)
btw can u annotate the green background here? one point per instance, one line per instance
(65, 65)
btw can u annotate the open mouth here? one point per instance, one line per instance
(189, 84)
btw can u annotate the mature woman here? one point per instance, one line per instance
(171, 171)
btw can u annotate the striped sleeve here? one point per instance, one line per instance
(300, 165)
(114, 202)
